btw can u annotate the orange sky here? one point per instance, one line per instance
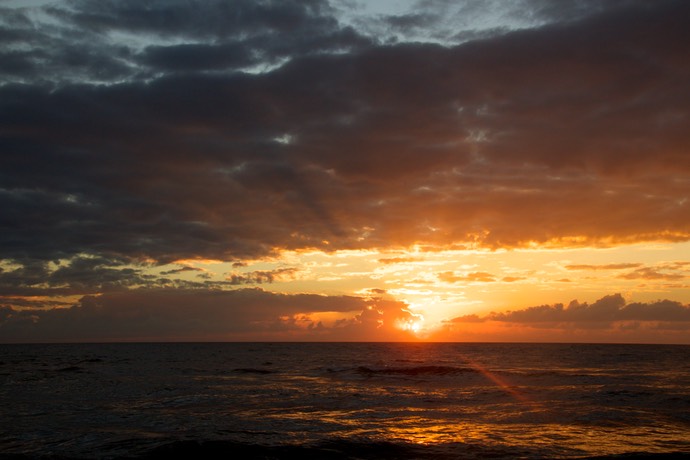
(319, 171)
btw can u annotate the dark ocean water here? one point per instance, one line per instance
(344, 400)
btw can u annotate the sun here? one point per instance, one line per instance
(414, 325)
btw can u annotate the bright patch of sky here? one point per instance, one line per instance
(25, 3)
(445, 284)
(436, 21)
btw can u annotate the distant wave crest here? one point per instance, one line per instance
(251, 370)
(414, 371)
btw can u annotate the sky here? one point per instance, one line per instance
(312, 170)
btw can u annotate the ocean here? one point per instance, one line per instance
(344, 401)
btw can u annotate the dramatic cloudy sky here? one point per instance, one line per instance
(345, 170)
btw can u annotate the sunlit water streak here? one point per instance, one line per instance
(359, 400)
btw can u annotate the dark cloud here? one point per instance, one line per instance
(88, 275)
(469, 319)
(194, 19)
(363, 143)
(195, 57)
(604, 309)
(81, 275)
(181, 270)
(209, 315)
(263, 276)
(76, 44)
(602, 313)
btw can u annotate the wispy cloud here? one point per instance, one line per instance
(398, 260)
(263, 276)
(451, 277)
(647, 273)
(181, 270)
(620, 266)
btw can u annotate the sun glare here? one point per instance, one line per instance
(416, 325)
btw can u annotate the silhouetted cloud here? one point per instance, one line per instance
(181, 270)
(602, 313)
(168, 314)
(262, 276)
(81, 275)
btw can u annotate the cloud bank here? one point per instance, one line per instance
(609, 319)
(255, 314)
(179, 314)
(490, 141)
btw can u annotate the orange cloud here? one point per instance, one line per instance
(512, 279)
(651, 274)
(451, 277)
(620, 266)
(398, 260)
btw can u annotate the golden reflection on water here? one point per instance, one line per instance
(600, 440)
(458, 401)
(419, 430)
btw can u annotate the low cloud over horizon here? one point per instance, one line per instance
(255, 314)
(610, 318)
(603, 312)
(179, 314)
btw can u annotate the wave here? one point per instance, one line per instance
(339, 449)
(417, 370)
(332, 450)
(251, 370)
(72, 369)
